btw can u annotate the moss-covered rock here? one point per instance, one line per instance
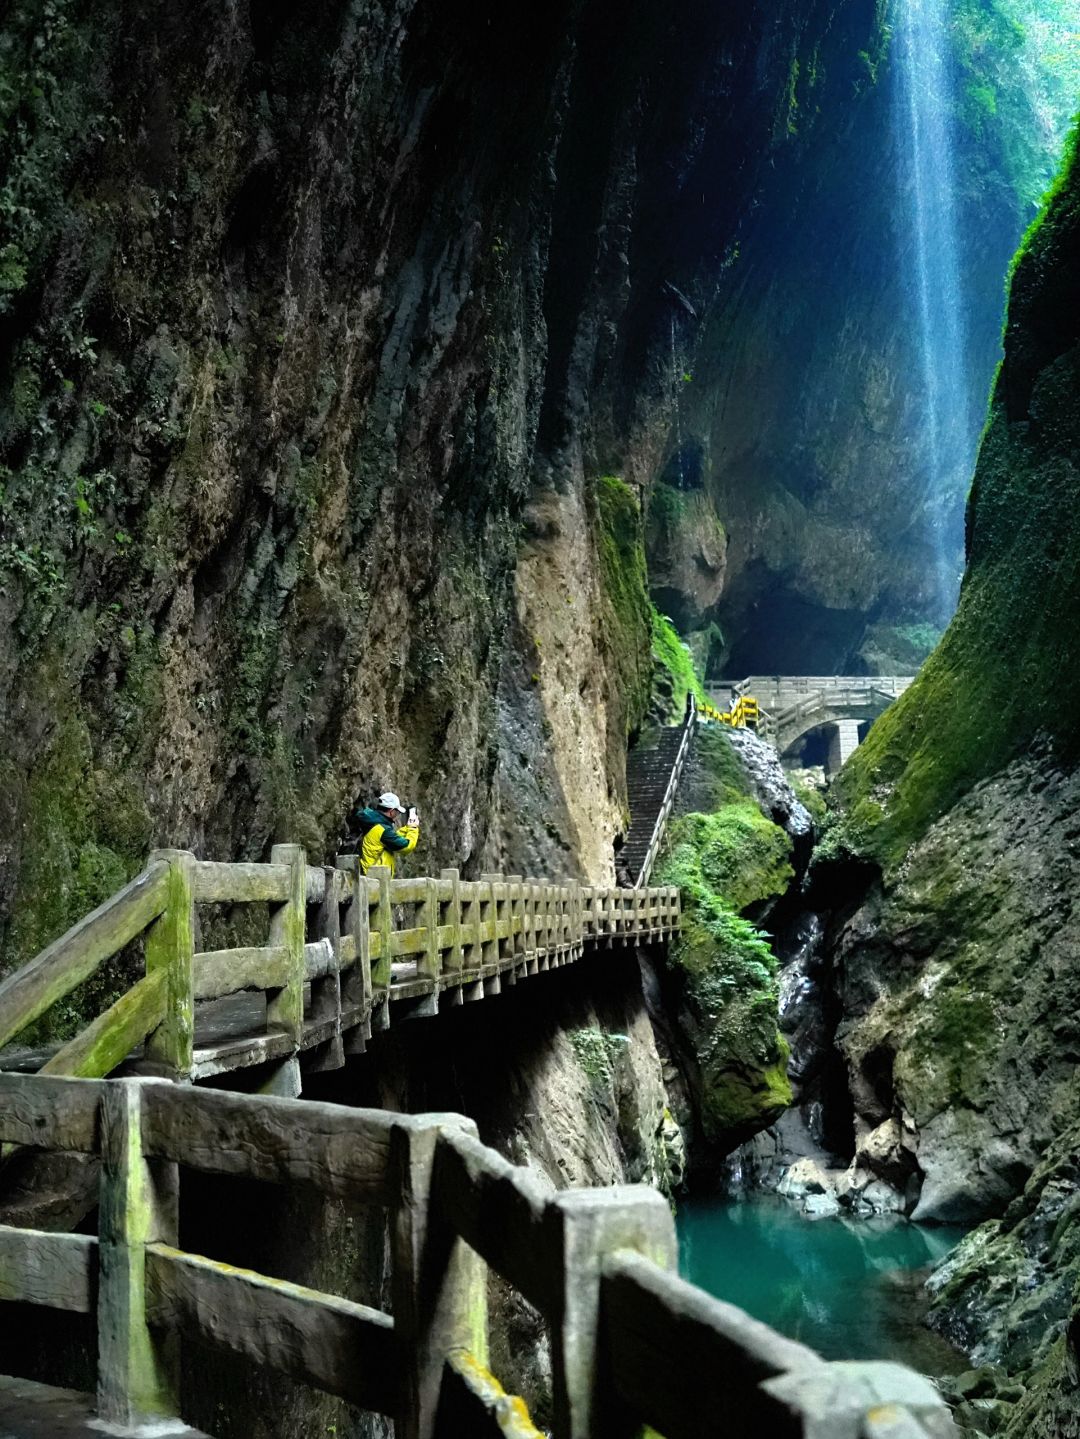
(1008, 667)
(720, 973)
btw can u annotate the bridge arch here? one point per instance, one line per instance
(793, 706)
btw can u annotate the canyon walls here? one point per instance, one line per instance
(957, 967)
(318, 330)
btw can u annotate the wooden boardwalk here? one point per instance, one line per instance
(343, 955)
(631, 1343)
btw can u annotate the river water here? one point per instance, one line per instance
(851, 1289)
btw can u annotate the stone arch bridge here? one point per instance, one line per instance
(794, 705)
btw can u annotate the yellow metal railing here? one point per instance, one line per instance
(744, 712)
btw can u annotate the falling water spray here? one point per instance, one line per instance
(932, 257)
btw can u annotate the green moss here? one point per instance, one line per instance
(620, 539)
(724, 968)
(596, 1052)
(735, 853)
(87, 833)
(810, 798)
(724, 776)
(674, 658)
(1008, 667)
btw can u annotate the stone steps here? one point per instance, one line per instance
(647, 775)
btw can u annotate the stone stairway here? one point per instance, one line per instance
(647, 775)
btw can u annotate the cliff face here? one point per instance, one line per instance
(316, 329)
(803, 408)
(959, 968)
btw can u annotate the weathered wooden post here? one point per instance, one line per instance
(592, 1224)
(329, 1053)
(439, 1284)
(356, 986)
(138, 1369)
(170, 945)
(286, 1010)
(382, 971)
(517, 917)
(451, 909)
(470, 925)
(577, 919)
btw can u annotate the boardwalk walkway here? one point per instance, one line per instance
(631, 1343)
(343, 955)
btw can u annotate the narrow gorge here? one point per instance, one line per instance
(647, 442)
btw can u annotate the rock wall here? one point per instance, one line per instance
(958, 961)
(802, 406)
(317, 330)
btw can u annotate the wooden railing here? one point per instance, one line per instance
(668, 802)
(342, 952)
(631, 1343)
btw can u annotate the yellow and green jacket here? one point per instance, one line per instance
(381, 842)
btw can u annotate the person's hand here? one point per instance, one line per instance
(413, 818)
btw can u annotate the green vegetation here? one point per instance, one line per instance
(87, 835)
(673, 657)
(810, 798)
(735, 853)
(1008, 667)
(1019, 69)
(596, 1052)
(621, 545)
(725, 862)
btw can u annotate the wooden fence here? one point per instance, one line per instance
(631, 1343)
(343, 952)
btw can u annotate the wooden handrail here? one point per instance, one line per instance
(628, 1337)
(459, 938)
(57, 970)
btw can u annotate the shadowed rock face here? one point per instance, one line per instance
(315, 328)
(958, 970)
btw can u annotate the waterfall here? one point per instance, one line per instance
(930, 244)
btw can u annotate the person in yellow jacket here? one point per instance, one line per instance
(384, 837)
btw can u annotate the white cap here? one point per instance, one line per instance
(389, 800)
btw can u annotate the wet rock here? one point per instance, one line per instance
(770, 784)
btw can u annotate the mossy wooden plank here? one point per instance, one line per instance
(55, 972)
(428, 917)
(53, 1270)
(322, 961)
(404, 942)
(102, 1045)
(225, 971)
(240, 1053)
(588, 1225)
(450, 927)
(49, 1113)
(664, 1334)
(285, 1010)
(356, 985)
(473, 1402)
(217, 883)
(408, 891)
(438, 1283)
(342, 1152)
(499, 1209)
(382, 932)
(170, 947)
(339, 1347)
(138, 1371)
